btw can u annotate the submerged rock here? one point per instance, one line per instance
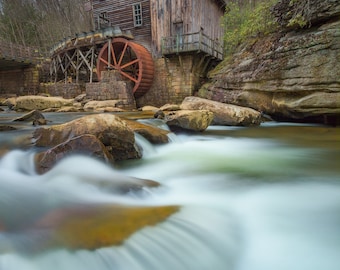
(224, 114)
(6, 128)
(84, 144)
(93, 227)
(2, 227)
(159, 114)
(35, 116)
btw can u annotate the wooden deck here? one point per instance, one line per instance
(194, 42)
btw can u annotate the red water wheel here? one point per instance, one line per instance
(133, 61)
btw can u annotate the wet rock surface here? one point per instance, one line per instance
(84, 144)
(192, 120)
(109, 129)
(224, 114)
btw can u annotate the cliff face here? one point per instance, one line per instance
(292, 74)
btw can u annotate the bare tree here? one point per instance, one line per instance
(41, 22)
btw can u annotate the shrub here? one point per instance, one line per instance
(243, 22)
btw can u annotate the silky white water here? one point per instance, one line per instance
(246, 204)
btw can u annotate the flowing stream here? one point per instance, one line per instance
(250, 199)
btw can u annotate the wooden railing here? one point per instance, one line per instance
(16, 52)
(192, 42)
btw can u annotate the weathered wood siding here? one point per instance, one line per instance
(120, 12)
(178, 75)
(160, 23)
(174, 17)
(163, 18)
(211, 14)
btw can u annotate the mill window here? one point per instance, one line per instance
(137, 15)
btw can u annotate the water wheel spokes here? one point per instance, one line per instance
(131, 60)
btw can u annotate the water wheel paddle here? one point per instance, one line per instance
(133, 61)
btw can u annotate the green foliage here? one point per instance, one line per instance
(299, 13)
(292, 2)
(243, 22)
(299, 20)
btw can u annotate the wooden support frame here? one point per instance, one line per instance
(73, 62)
(76, 56)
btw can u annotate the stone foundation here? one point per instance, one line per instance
(112, 87)
(21, 81)
(175, 78)
(65, 90)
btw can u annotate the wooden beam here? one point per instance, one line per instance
(181, 63)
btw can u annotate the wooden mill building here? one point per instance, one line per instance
(164, 47)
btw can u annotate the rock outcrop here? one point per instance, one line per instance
(290, 14)
(292, 74)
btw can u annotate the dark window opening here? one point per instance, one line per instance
(137, 15)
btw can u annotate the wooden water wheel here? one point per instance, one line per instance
(132, 60)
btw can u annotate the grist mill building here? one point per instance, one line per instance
(162, 48)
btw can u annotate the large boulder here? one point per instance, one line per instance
(224, 114)
(29, 103)
(191, 120)
(112, 131)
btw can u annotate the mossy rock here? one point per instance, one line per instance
(100, 226)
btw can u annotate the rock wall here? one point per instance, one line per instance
(112, 87)
(21, 81)
(65, 90)
(292, 74)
